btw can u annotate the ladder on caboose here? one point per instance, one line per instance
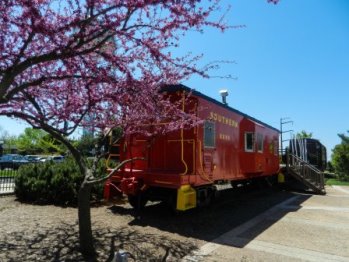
(306, 173)
(114, 153)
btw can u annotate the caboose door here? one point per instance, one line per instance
(208, 162)
(209, 146)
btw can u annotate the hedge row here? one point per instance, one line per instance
(52, 183)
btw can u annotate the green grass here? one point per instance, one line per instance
(336, 182)
(8, 173)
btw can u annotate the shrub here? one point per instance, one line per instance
(53, 183)
(340, 158)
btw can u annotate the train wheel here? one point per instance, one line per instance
(172, 203)
(215, 193)
(138, 201)
(205, 196)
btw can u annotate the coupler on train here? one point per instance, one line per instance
(131, 187)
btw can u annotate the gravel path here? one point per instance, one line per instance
(50, 233)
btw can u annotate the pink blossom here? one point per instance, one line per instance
(63, 60)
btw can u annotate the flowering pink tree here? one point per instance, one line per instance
(61, 60)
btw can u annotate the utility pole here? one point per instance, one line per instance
(284, 121)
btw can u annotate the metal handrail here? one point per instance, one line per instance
(306, 171)
(302, 161)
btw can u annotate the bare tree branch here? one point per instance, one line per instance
(114, 170)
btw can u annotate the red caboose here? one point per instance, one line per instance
(183, 167)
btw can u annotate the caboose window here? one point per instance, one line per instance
(209, 134)
(260, 142)
(249, 141)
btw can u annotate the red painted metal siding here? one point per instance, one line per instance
(225, 157)
(258, 162)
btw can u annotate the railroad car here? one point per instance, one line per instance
(183, 167)
(310, 150)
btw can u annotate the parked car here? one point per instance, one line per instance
(56, 159)
(13, 161)
(32, 158)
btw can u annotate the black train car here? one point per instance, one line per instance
(310, 150)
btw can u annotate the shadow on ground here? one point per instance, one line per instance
(231, 209)
(60, 244)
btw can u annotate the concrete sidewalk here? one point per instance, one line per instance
(302, 228)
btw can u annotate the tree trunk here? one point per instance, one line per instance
(84, 214)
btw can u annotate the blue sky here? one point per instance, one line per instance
(292, 60)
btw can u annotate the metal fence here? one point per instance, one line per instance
(7, 181)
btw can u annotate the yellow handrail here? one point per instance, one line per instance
(188, 141)
(204, 176)
(182, 143)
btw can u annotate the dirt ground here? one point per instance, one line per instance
(50, 233)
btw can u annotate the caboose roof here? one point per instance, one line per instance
(180, 87)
